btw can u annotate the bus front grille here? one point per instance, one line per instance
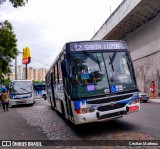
(111, 107)
(108, 100)
(105, 116)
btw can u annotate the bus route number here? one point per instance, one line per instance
(78, 47)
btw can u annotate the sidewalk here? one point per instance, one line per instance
(157, 100)
(14, 127)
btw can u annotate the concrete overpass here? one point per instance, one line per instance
(137, 22)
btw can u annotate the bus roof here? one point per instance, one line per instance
(20, 80)
(96, 45)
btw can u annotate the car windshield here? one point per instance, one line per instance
(20, 87)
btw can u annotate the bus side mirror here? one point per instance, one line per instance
(10, 87)
(64, 67)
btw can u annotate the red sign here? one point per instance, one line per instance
(26, 60)
(134, 108)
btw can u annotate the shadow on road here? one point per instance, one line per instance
(103, 127)
(92, 129)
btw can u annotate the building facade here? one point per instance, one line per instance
(32, 73)
(41, 74)
(20, 72)
(137, 23)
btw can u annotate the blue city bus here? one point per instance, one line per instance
(21, 92)
(40, 91)
(93, 81)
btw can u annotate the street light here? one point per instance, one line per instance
(16, 65)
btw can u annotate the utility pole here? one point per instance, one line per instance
(16, 65)
(26, 72)
(16, 68)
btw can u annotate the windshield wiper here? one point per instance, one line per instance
(25, 90)
(128, 59)
(112, 58)
(94, 58)
(111, 63)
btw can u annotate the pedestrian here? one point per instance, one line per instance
(5, 100)
(152, 89)
(0, 99)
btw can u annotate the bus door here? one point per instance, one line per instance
(52, 88)
(66, 87)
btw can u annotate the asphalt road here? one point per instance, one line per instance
(40, 122)
(147, 120)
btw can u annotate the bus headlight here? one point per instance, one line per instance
(81, 107)
(30, 96)
(81, 111)
(91, 109)
(85, 110)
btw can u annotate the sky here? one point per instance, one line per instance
(46, 25)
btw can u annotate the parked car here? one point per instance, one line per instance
(143, 96)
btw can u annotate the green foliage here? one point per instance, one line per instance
(8, 50)
(6, 82)
(16, 3)
(38, 82)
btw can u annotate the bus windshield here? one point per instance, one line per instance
(21, 87)
(120, 71)
(100, 73)
(39, 87)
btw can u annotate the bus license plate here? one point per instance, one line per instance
(22, 101)
(134, 108)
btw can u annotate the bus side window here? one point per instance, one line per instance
(55, 74)
(59, 72)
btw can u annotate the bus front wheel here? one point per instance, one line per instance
(62, 108)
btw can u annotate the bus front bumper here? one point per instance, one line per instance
(98, 116)
(20, 102)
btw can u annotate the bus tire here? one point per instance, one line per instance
(62, 108)
(52, 107)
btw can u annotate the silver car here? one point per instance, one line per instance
(143, 97)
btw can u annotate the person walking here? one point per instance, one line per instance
(152, 89)
(0, 99)
(5, 100)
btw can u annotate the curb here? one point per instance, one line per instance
(155, 100)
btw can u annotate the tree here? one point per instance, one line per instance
(6, 82)
(16, 3)
(8, 48)
(38, 82)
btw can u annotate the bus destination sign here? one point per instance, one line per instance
(80, 46)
